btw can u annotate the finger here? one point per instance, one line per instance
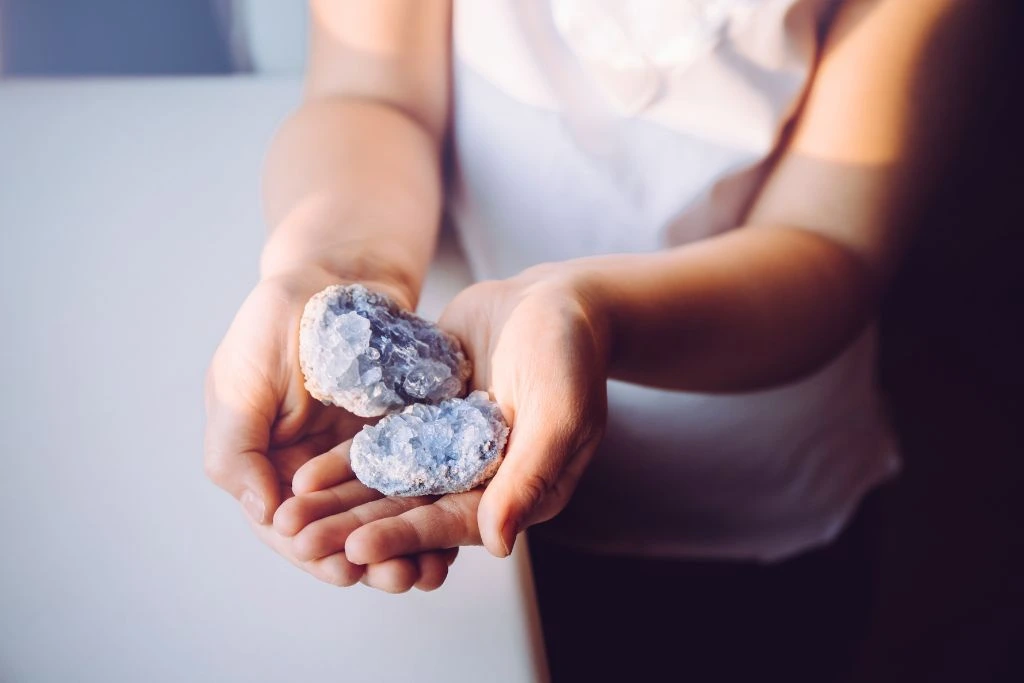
(542, 465)
(396, 575)
(449, 555)
(336, 570)
(327, 536)
(324, 471)
(235, 445)
(333, 569)
(433, 570)
(449, 522)
(300, 511)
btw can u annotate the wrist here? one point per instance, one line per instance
(601, 284)
(354, 261)
(577, 283)
(585, 283)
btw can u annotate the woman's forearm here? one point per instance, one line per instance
(746, 310)
(762, 305)
(353, 186)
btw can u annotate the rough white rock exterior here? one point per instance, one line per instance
(431, 450)
(360, 351)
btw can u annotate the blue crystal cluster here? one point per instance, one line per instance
(360, 351)
(431, 450)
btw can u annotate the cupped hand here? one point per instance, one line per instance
(539, 346)
(328, 505)
(263, 427)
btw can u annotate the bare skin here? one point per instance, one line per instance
(353, 193)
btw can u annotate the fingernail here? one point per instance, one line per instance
(508, 536)
(253, 506)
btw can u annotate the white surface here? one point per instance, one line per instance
(129, 234)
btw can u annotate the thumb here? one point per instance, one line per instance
(545, 458)
(235, 457)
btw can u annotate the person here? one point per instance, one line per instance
(682, 215)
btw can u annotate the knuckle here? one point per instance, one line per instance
(540, 500)
(308, 545)
(341, 573)
(532, 489)
(405, 534)
(289, 518)
(460, 513)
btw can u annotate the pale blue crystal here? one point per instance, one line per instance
(361, 351)
(432, 449)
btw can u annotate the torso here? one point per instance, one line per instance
(585, 127)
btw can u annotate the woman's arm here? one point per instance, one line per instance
(353, 179)
(780, 297)
(760, 305)
(353, 192)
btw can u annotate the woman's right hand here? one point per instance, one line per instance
(262, 426)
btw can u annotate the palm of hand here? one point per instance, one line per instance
(263, 428)
(535, 350)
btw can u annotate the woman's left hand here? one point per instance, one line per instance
(540, 347)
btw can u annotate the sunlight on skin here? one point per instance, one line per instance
(834, 206)
(370, 28)
(386, 49)
(821, 239)
(866, 93)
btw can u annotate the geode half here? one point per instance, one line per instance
(431, 450)
(360, 351)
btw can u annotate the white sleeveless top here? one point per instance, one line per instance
(587, 127)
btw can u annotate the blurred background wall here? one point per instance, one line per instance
(151, 37)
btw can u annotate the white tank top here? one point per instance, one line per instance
(587, 127)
